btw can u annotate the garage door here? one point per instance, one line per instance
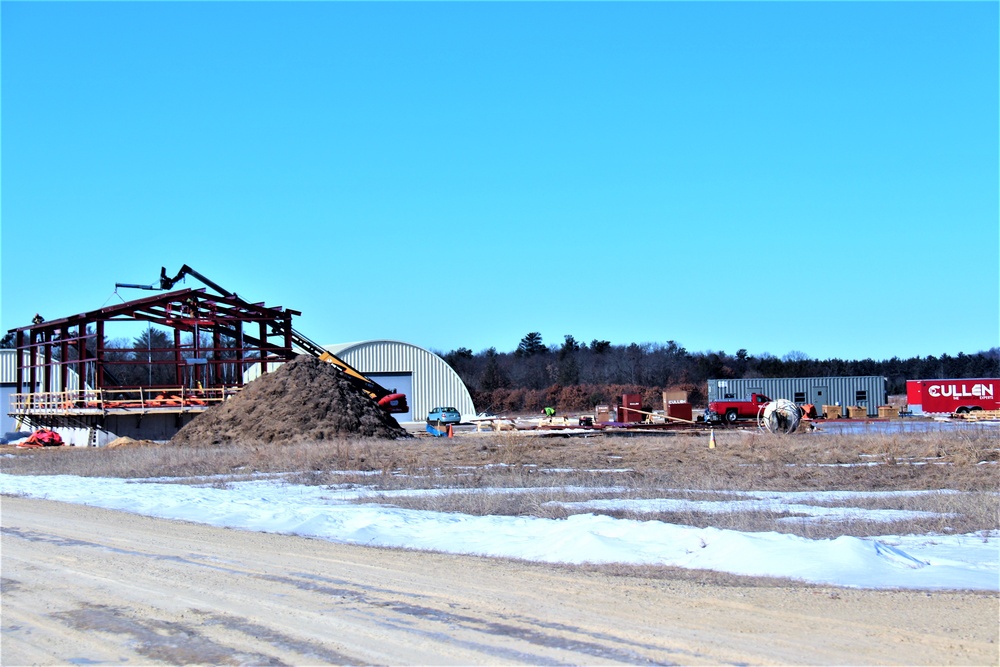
(401, 383)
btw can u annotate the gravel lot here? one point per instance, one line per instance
(84, 585)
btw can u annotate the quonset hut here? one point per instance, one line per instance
(868, 391)
(426, 379)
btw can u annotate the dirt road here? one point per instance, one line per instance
(84, 586)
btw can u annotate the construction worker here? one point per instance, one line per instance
(549, 412)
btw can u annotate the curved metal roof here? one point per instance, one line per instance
(435, 383)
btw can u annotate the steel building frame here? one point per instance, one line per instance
(241, 333)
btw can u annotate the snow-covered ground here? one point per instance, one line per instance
(271, 505)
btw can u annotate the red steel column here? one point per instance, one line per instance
(178, 366)
(19, 346)
(32, 362)
(99, 354)
(64, 358)
(263, 345)
(47, 360)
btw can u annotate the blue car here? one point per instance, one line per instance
(444, 416)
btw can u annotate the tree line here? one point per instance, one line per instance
(575, 375)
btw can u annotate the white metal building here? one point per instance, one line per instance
(424, 377)
(8, 386)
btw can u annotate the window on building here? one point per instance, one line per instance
(860, 396)
(800, 397)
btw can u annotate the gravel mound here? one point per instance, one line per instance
(125, 441)
(304, 400)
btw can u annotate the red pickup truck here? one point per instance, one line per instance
(730, 411)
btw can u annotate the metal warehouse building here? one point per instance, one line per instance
(868, 391)
(424, 377)
(8, 386)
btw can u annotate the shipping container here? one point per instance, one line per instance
(629, 410)
(944, 397)
(867, 391)
(680, 411)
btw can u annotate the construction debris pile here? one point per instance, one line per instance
(304, 400)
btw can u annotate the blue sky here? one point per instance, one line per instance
(810, 177)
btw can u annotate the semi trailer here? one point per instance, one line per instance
(945, 397)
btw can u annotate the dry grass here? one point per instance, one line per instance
(958, 513)
(547, 471)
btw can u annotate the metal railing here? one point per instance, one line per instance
(142, 400)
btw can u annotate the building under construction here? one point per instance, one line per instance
(190, 349)
(195, 350)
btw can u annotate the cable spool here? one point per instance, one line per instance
(779, 416)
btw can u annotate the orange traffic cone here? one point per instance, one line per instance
(711, 439)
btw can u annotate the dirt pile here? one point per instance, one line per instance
(304, 400)
(125, 441)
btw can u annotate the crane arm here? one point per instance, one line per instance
(389, 400)
(167, 283)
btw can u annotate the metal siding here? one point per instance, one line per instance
(435, 383)
(8, 372)
(7, 423)
(841, 389)
(8, 366)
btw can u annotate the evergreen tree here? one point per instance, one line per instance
(569, 346)
(530, 345)
(493, 376)
(600, 346)
(569, 372)
(155, 349)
